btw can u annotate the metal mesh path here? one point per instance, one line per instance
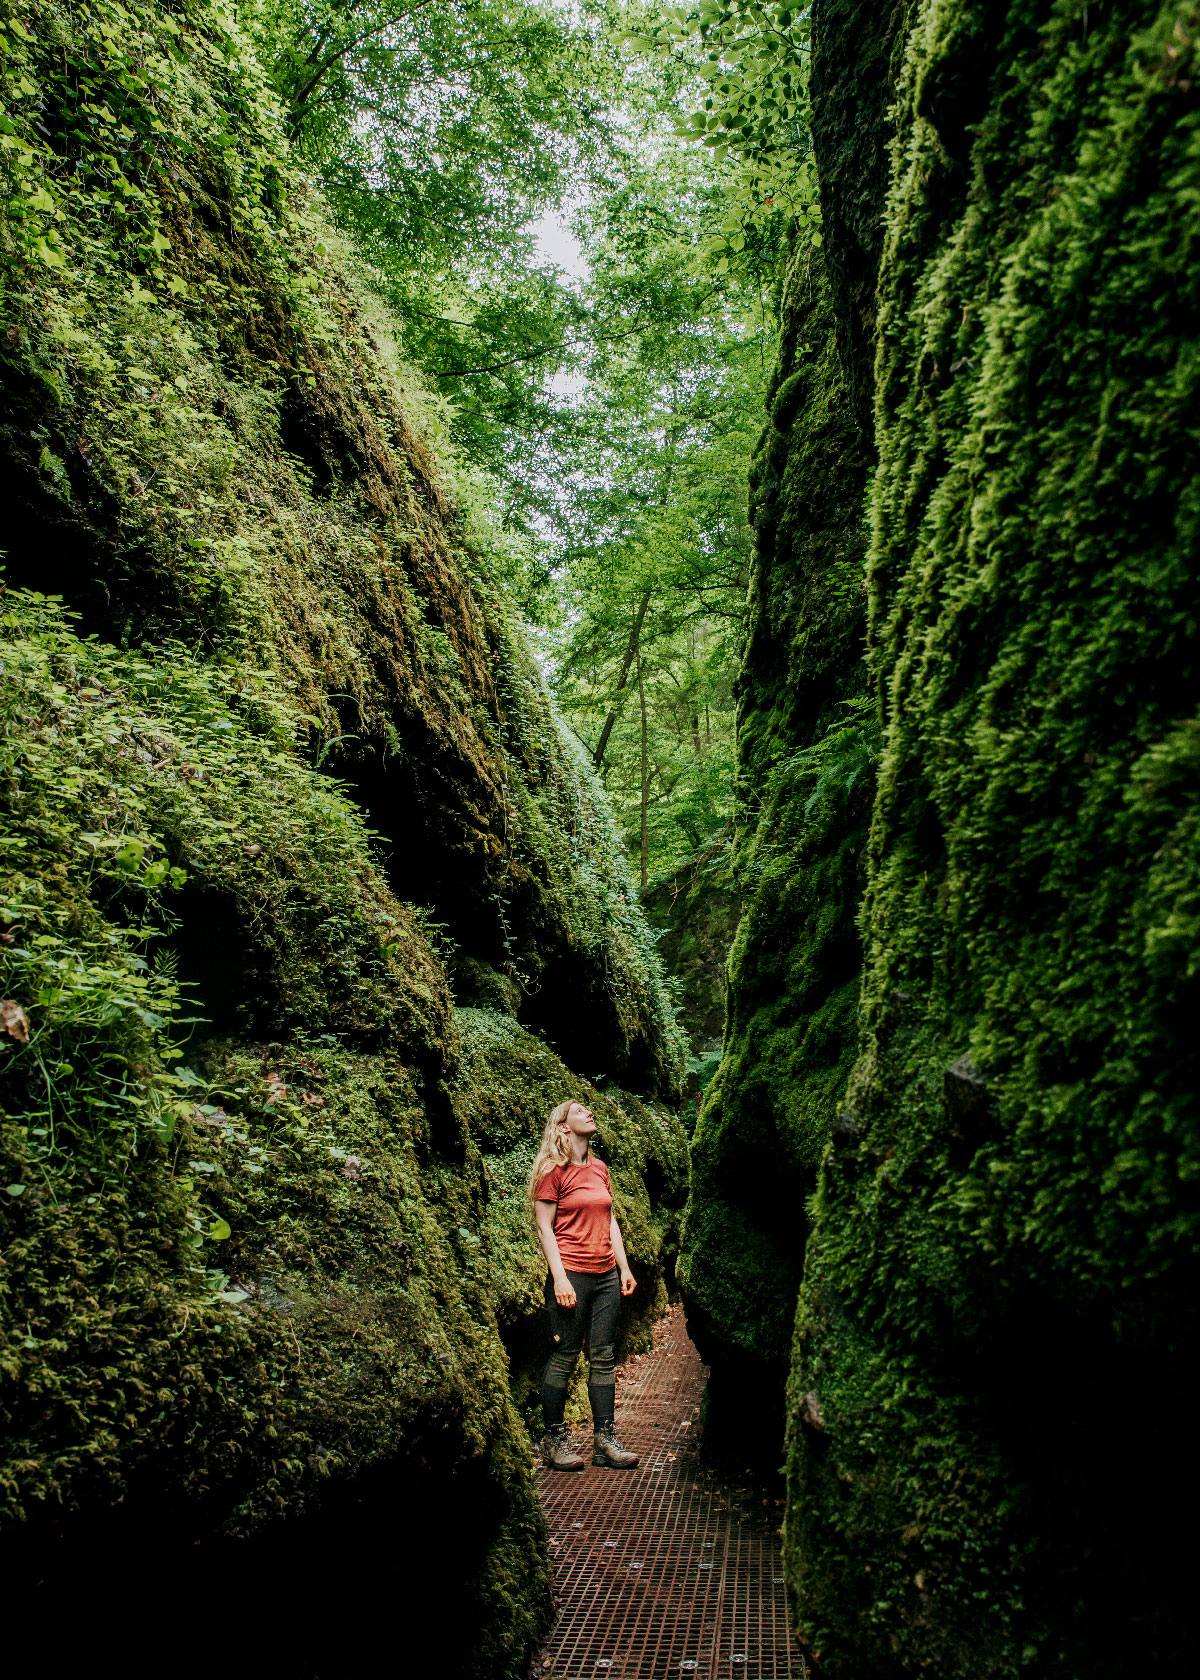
(665, 1570)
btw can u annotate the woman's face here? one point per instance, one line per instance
(579, 1120)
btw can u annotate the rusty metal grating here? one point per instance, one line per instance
(666, 1570)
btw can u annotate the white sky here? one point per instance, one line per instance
(557, 244)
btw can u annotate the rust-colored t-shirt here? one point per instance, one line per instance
(581, 1222)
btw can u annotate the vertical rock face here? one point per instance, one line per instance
(806, 749)
(808, 745)
(1004, 1225)
(264, 1225)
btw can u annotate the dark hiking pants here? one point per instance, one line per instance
(593, 1319)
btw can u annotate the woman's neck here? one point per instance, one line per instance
(579, 1150)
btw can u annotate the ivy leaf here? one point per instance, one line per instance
(129, 857)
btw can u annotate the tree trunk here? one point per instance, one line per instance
(631, 652)
(645, 763)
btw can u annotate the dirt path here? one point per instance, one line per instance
(665, 1570)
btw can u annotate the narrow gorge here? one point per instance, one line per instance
(320, 891)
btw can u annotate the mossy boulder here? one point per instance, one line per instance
(1006, 1224)
(1002, 1233)
(278, 774)
(233, 1288)
(209, 439)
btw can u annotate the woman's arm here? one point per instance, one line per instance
(628, 1281)
(544, 1213)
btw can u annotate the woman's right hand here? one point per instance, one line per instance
(563, 1293)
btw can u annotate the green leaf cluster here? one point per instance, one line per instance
(751, 63)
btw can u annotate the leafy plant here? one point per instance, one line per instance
(752, 63)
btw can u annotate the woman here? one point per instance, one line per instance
(589, 1273)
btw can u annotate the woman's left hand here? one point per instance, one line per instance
(628, 1282)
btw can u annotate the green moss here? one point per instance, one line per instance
(806, 760)
(231, 1272)
(1002, 1227)
(238, 468)
(278, 772)
(1000, 1240)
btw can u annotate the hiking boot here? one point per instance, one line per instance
(557, 1451)
(606, 1449)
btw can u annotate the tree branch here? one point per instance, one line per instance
(301, 97)
(538, 350)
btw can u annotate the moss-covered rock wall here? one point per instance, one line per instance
(280, 787)
(1003, 1232)
(209, 440)
(807, 745)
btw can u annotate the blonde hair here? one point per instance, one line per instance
(555, 1147)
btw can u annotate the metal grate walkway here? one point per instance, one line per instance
(665, 1570)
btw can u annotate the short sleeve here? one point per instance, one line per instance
(548, 1187)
